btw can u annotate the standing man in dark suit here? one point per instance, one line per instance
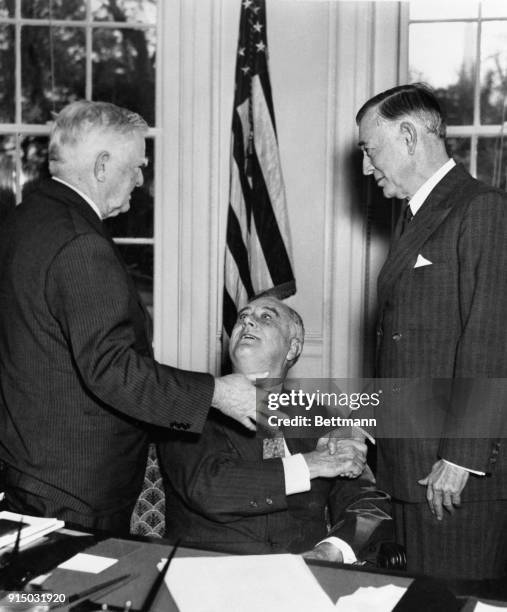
(442, 307)
(78, 380)
(229, 490)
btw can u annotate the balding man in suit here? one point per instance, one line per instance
(442, 306)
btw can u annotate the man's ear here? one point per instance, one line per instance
(99, 168)
(294, 350)
(409, 134)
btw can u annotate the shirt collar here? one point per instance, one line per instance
(79, 192)
(419, 197)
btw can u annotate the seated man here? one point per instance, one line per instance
(223, 493)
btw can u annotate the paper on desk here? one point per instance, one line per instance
(248, 583)
(92, 564)
(371, 599)
(484, 607)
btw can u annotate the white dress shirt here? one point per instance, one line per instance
(419, 197)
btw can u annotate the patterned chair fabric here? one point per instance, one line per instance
(148, 516)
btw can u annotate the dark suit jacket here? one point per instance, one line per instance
(447, 320)
(222, 495)
(77, 374)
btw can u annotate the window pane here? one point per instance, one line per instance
(40, 94)
(493, 71)
(144, 11)
(7, 174)
(7, 65)
(124, 69)
(6, 8)
(34, 162)
(492, 161)
(449, 68)
(459, 149)
(60, 9)
(436, 9)
(138, 221)
(494, 8)
(139, 260)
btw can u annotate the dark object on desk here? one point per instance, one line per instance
(427, 595)
(7, 526)
(9, 562)
(391, 556)
(41, 558)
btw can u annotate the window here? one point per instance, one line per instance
(459, 47)
(55, 51)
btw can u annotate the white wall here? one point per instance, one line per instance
(326, 59)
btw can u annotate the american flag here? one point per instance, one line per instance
(258, 258)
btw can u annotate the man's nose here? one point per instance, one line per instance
(249, 321)
(368, 167)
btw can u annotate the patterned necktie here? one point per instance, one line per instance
(273, 447)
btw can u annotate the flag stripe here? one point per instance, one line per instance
(239, 251)
(268, 231)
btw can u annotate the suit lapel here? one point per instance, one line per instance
(432, 213)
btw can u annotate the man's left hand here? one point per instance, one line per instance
(444, 484)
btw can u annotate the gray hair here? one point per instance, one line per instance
(78, 119)
(416, 99)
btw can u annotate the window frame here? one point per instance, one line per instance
(475, 130)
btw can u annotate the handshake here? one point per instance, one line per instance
(337, 457)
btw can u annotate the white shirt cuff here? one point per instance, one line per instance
(346, 550)
(464, 468)
(297, 474)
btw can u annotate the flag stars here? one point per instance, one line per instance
(260, 46)
(247, 3)
(245, 69)
(241, 51)
(258, 27)
(256, 9)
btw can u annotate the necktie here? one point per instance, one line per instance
(407, 217)
(273, 447)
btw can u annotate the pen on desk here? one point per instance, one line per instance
(152, 593)
(92, 590)
(15, 550)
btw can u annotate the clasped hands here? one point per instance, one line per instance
(343, 457)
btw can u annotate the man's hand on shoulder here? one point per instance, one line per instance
(444, 485)
(348, 460)
(236, 396)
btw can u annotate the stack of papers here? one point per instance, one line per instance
(32, 528)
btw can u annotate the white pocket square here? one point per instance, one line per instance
(422, 261)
